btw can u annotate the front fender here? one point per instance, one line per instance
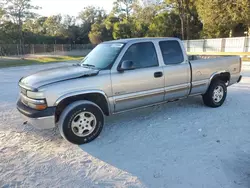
(75, 93)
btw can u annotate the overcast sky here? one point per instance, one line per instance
(71, 7)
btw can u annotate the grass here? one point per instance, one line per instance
(13, 62)
(38, 60)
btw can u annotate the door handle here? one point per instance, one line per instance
(158, 74)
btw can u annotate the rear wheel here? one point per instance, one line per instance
(81, 122)
(216, 94)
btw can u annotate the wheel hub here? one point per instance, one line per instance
(218, 94)
(83, 124)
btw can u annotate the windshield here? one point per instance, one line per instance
(102, 56)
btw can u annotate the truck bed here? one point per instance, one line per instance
(205, 67)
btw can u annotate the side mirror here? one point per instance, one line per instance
(126, 65)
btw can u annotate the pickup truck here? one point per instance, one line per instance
(118, 76)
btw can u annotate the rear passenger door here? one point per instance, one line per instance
(142, 86)
(176, 70)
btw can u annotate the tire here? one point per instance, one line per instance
(77, 118)
(216, 94)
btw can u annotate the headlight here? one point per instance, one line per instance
(35, 95)
(38, 104)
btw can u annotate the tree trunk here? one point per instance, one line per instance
(182, 17)
(187, 27)
(20, 31)
(182, 28)
(188, 15)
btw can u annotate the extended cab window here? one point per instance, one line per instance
(171, 52)
(142, 55)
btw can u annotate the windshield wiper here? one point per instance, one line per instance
(88, 65)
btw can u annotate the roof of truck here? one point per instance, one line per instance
(140, 39)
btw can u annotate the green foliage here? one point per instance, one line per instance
(36, 60)
(1, 13)
(123, 8)
(220, 17)
(99, 33)
(18, 10)
(186, 19)
(92, 15)
(53, 26)
(122, 30)
(8, 32)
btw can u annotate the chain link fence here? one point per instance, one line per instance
(237, 44)
(43, 49)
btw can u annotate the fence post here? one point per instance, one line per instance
(44, 49)
(17, 50)
(62, 48)
(33, 48)
(223, 44)
(246, 47)
(188, 46)
(204, 45)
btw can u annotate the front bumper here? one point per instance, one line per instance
(44, 119)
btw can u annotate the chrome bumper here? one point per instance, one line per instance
(44, 119)
(41, 123)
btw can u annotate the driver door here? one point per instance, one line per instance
(142, 86)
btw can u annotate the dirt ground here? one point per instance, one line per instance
(182, 144)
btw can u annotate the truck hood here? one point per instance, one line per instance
(58, 74)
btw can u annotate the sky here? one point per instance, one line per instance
(70, 7)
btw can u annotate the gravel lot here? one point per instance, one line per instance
(182, 144)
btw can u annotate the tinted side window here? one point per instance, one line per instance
(142, 54)
(171, 52)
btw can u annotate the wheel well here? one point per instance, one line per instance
(225, 77)
(96, 98)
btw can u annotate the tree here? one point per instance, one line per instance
(123, 8)
(186, 19)
(240, 11)
(53, 25)
(18, 11)
(1, 13)
(150, 2)
(122, 30)
(179, 7)
(165, 25)
(187, 12)
(146, 14)
(217, 17)
(8, 33)
(99, 33)
(91, 15)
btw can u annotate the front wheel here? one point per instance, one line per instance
(81, 122)
(216, 94)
